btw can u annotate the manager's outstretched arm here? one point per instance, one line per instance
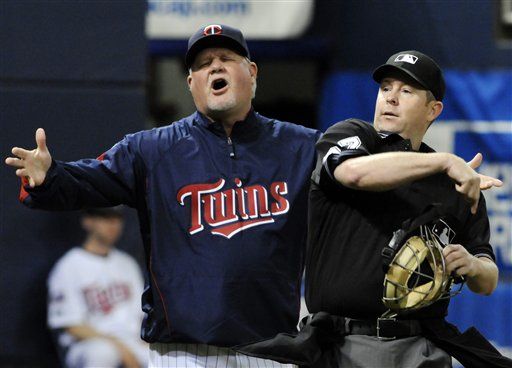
(32, 164)
(116, 177)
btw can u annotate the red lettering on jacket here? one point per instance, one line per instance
(230, 211)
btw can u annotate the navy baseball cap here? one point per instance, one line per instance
(216, 35)
(419, 67)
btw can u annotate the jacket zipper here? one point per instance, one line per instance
(231, 148)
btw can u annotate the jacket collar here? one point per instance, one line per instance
(243, 129)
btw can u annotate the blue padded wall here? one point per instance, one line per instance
(77, 69)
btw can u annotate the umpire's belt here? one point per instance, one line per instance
(383, 328)
(319, 331)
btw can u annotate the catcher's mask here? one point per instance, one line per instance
(414, 264)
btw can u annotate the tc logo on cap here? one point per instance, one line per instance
(406, 58)
(212, 29)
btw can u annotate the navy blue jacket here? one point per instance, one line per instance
(223, 222)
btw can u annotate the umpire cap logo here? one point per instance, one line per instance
(406, 58)
(212, 29)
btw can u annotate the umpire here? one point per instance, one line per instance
(367, 182)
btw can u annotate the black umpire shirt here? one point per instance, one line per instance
(349, 228)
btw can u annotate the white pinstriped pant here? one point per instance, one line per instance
(204, 356)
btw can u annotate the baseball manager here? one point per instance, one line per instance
(221, 197)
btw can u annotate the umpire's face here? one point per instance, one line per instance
(404, 108)
(221, 82)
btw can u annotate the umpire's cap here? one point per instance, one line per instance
(417, 65)
(216, 35)
(107, 212)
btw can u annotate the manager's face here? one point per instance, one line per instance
(221, 82)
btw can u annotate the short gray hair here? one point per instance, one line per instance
(430, 96)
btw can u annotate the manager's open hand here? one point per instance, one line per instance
(33, 164)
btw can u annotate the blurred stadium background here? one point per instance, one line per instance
(91, 71)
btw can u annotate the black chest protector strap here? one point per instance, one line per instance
(408, 227)
(430, 215)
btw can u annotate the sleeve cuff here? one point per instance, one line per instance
(484, 255)
(336, 158)
(26, 190)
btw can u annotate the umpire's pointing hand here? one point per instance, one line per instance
(33, 164)
(467, 181)
(486, 182)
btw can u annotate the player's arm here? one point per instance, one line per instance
(83, 332)
(481, 273)
(385, 171)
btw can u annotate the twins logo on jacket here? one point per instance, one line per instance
(229, 211)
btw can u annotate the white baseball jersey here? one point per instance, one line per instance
(204, 356)
(100, 291)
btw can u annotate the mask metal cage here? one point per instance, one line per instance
(417, 276)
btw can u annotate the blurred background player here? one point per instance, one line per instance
(94, 298)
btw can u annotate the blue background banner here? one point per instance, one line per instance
(496, 147)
